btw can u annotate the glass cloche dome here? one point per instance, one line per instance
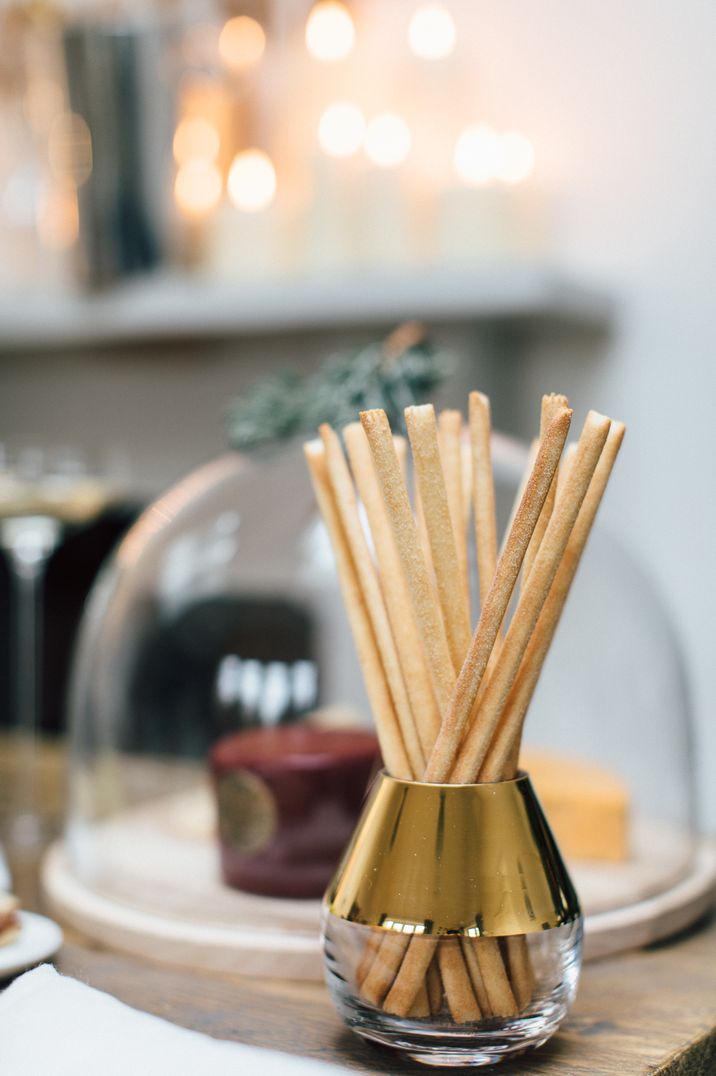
(220, 610)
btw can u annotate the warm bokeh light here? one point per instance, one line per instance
(197, 187)
(69, 148)
(387, 140)
(252, 180)
(516, 157)
(58, 222)
(241, 43)
(431, 32)
(329, 31)
(477, 155)
(341, 129)
(195, 139)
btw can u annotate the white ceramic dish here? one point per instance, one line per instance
(38, 940)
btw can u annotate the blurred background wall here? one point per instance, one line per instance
(617, 100)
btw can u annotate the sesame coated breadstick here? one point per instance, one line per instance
(426, 714)
(341, 481)
(477, 740)
(501, 750)
(460, 706)
(450, 439)
(483, 491)
(395, 496)
(388, 730)
(423, 435)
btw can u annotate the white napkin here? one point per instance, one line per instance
(51, 1025)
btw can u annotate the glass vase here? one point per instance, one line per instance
(452, 931)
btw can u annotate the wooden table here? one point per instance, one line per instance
(652, 1011)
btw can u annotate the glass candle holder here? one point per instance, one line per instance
(451, 930)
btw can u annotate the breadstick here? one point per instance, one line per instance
(397, 596)
(435, 988)
(483, 489)
(550, 405)
(511, 764)
(531, 457)
(421, 1005)
(435, 644)
(388, 730)
(564, 467)
(381, 975)
(461, 999)
(497, 763)
(397, 503)
(370, 949)
(450, 439)
(460, 705)
(407, 980)
(423, 435)
(413, 970)
(345, 500)
(469, 946)
(497, 984)
(521, 973)
(422, 531)
(399, 443)
(477, 740)
(466, 455)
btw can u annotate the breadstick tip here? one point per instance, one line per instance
(373, 418)
(450, 419)
(350, 428)
(329, 437)
(597, 421)
(617, 431)
(563, 417)
(419, 411)
(313, 449)
(555, 399)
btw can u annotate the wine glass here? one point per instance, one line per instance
(43, 492)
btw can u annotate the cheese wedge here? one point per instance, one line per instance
(586, 806)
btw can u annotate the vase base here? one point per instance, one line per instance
(435, 1053)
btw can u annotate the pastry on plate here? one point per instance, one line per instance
(9, 918)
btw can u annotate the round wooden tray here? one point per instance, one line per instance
(159, 893)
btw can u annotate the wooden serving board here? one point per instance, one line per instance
(156, 890)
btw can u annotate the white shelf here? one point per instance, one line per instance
(166, 307)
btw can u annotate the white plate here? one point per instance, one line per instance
(39, 938)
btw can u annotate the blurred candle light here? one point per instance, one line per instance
(431, 32)
(477, 157)
(58, 222)
(341, 129)
(197, 187)
(387, 140)
(516, 157)
(252, 180)
(241, 43)
(195, 139)
(329, 31)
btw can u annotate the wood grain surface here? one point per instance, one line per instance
(634, 1012)
(650, 1012)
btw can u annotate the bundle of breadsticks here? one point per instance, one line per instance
(449, 702)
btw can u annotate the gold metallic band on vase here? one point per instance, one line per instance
(453, 859)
